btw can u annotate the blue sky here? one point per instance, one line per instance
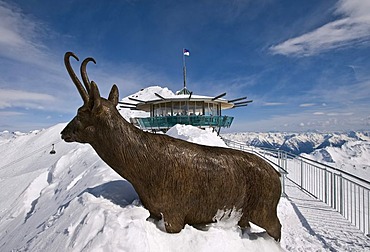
(306, 64)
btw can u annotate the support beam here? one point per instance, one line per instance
(238, 99)
(244, 102)
(242, 105)
(218, 96)
(123, 106)
(126, 103)
(134, 99)
(160, 96)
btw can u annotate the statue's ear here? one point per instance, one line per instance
(94, 98)
(113, 95)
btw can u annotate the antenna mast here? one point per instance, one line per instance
(184, 66)
(185, 52)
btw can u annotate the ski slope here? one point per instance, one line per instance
(72, 201)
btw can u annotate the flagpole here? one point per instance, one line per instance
(184, 66)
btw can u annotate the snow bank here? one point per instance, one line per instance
(196, 135)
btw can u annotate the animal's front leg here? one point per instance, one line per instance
(173, 222)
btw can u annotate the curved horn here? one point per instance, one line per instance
(84, 76)
(73, 76)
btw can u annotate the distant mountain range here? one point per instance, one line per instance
(298, 143)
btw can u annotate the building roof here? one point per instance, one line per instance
(155, 95)
(145, 105)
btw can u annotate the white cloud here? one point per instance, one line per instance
(344, 95)
(352, 28)
(273, 103)
(341, 108)
(18, 98)
(10, 113)
(304, 105)
(10, 26)
(355, 8)
(324, 121)
(21, 36)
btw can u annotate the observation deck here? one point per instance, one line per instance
(167, 110)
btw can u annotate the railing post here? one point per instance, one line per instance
(334, 191)
(363, 209)
(301, 173)
(326, 186)
(286, 162)
(341, 194)
(368, 214)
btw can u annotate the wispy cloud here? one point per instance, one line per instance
(351, 28)
(318, 113)
(21, 36)
(10, 113)
(18, 98)
(327, 109)
(357, 93)
(333, 119)
(273, 104)
(305, 105)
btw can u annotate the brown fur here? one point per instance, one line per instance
(177, 180)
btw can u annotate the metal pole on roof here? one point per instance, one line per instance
(184, 66)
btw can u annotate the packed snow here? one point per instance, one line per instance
(195, 135)
(72, 201)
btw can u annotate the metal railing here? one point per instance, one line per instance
(279, 166)
(342, 191)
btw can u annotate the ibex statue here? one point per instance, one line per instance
(181, 182)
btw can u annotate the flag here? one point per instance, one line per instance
(186, 52)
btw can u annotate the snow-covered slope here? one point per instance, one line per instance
(72, 201)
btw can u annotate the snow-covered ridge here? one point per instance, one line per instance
(346, 151)
(352, 157)
(298, 143)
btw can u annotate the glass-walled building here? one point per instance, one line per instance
(184, 108)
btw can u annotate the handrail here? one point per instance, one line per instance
(317, 162)
(346, 193)
(298, 156)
